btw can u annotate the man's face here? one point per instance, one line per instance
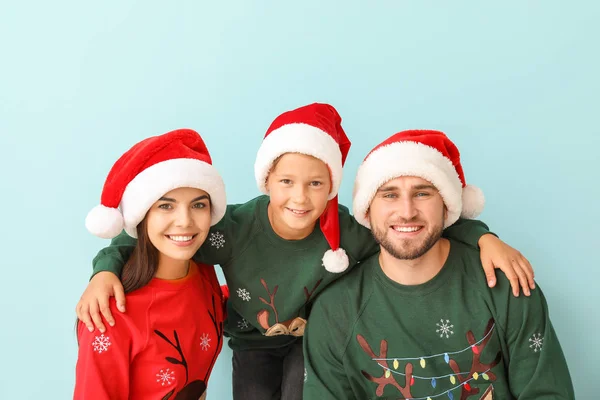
(407, 217)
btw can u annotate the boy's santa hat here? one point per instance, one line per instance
(146, 172)
(314, 130)
(427, 154)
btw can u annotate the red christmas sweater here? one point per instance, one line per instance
(163, 347)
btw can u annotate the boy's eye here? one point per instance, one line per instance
(286, 181)
(316, 183)
(165, 206)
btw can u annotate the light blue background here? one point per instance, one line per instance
(514, 84)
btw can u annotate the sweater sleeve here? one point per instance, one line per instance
(102, 371)
(467, 231)
(325, 378)
(355, 239)
(537, 367)
(218, 245)
(114, 257)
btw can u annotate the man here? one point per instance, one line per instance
(417, 320)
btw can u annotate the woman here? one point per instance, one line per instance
(165, 192)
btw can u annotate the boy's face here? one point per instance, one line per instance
(178, 223)
(298, 186)
(407, 217)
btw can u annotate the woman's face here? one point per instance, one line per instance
(178, 222)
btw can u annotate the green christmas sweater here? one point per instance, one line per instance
(272, 280)
(449, 338)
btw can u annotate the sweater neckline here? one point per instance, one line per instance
(176, 284)
(422, 289)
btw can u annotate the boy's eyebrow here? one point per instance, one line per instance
(292, 175)
(175, 201)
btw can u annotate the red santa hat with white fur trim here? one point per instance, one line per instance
(146, 172)
(427, 154)
(314, 130)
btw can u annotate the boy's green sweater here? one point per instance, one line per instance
(271, 280)
(449, 338)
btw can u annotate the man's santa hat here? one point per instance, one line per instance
(146, 172)
(314, 130)
(427, 154)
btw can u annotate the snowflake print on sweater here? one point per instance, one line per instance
(243, 324)
(537, 341)
(205, 341)
(217, 240)
(101, 343)
(165, 377)
(445, 328)
(243, 294)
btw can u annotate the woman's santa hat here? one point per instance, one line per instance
(146, 172)
(423, 153)
(314, 130)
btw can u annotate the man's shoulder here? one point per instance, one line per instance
(468, 261)
(351, 289)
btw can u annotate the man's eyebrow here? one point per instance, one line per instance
(387, 188)
(423, 187)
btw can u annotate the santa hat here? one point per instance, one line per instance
(146, 172)
(423, 153)
(314, 130)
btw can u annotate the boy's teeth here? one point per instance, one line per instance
(297, 211)
(181, 238)
(406, 229)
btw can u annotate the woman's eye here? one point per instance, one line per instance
(165, 206)
(199, 205)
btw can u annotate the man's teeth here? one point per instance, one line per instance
(406, 228)
(181, 238)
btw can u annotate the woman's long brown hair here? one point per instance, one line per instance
(143, 263)
(140, 268)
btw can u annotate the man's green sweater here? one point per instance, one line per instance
(450, 338)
